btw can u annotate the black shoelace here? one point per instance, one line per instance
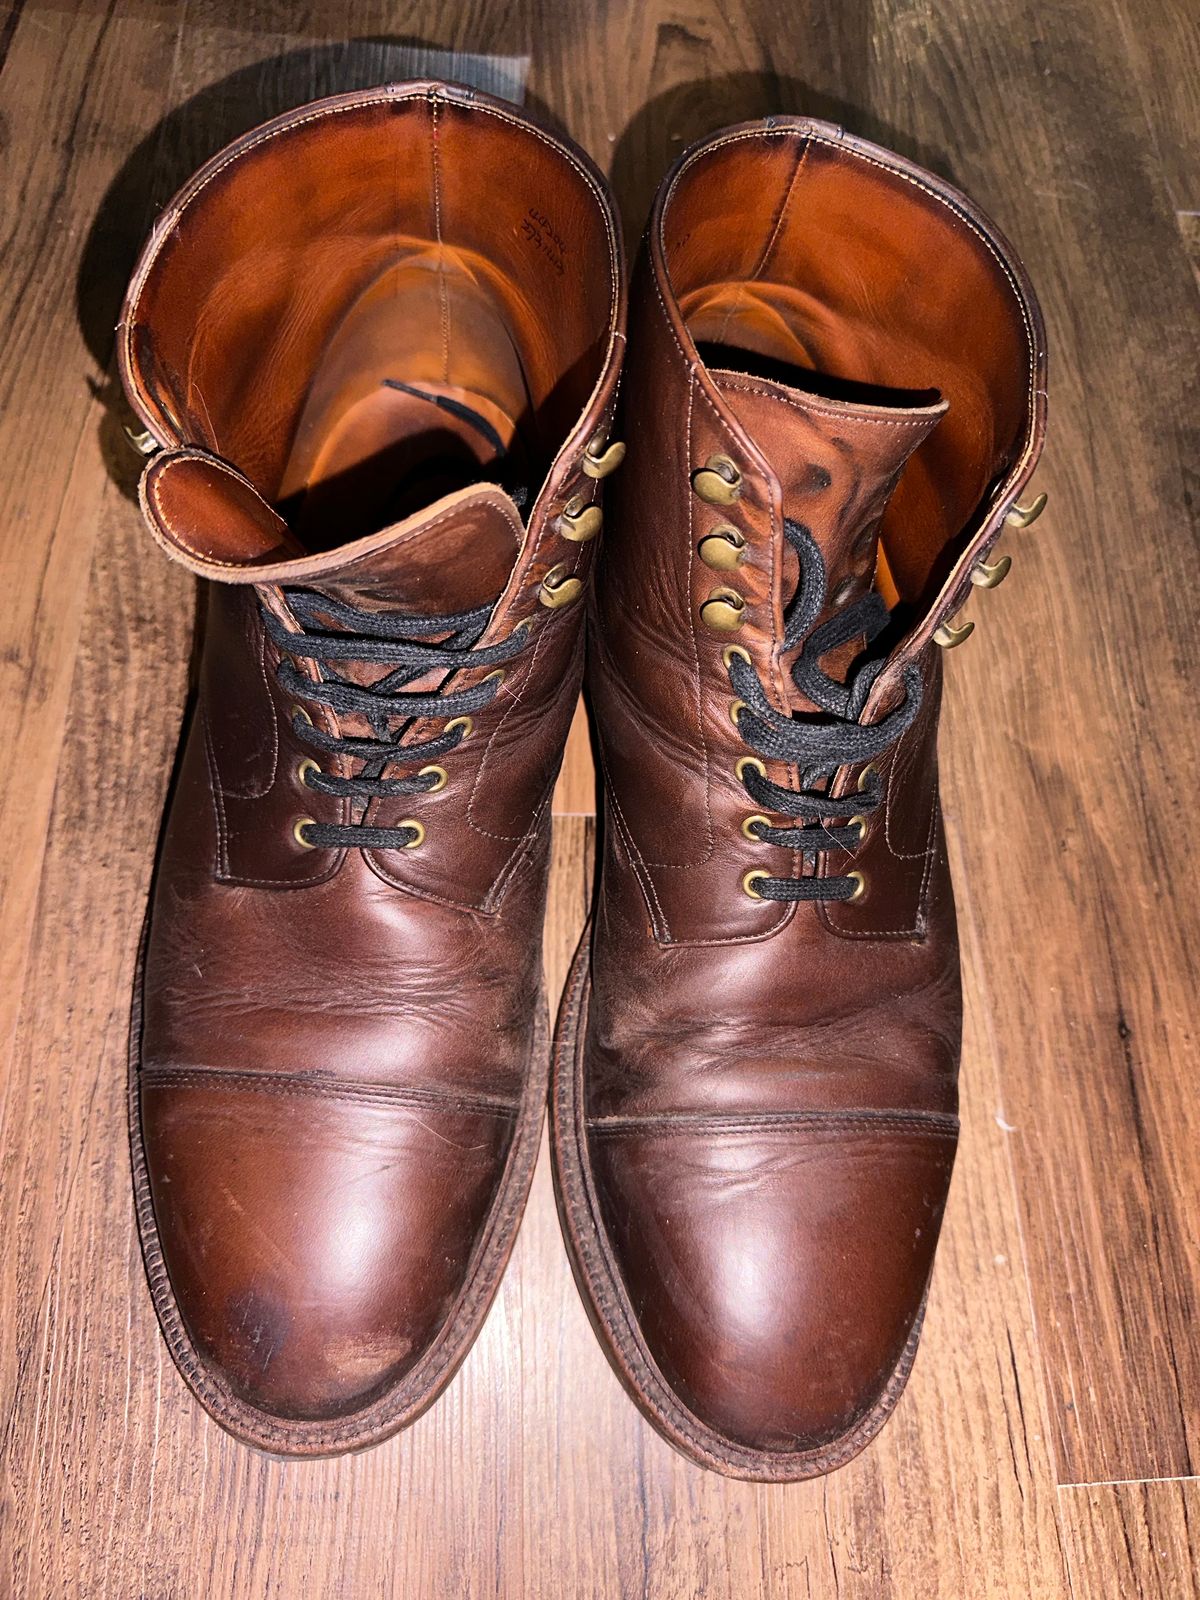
(391, 640)
(819, 745)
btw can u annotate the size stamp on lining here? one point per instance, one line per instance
(538, 229)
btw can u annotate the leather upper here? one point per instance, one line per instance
(769, 1087)
(338, 1045)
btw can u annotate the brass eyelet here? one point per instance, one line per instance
(870, 771)
(418, 828)
(748, 825)
(734, 652)
(599, 462)
(467, 724)
(724, 549)
(723, 611)
(718, 482)
(497, 673)
(305, 767)
(558, 589)
(581, 520)
(750, 879)
(299, 711)
(298, 832)
(861, 882)
(862, 824)
(736, 707)
(749, 763)
(441, 776)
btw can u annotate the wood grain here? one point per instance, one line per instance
(1070, 741)
(1143, 1537)
(1061, 1344)
(575, 794)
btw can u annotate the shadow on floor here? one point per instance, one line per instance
(204, 124)
(661, 130)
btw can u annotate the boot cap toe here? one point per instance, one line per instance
(777, 1274)
(316, 1239)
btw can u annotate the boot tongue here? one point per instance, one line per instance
(454, 555)
(837, 463)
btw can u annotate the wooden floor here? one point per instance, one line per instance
(1049, 1440)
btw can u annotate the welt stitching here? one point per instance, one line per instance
(690, 866)
(802, 406)
(514, 703)
(522, 853)
(777, 230)
(217, 465)
(649, 890)
(666, 1124)
(765, 255)
(443, 293)
(214, 784)
(358, 1429)
(487, 903)
(919, 928)
(292, 1086)
(897, 768)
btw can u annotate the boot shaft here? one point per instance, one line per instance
(378, 340)
(824, 335)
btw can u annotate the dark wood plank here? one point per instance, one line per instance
(1161, 48)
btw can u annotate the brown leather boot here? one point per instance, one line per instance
(835, 391)
(378, 340)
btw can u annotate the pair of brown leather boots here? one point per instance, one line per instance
(376, 348)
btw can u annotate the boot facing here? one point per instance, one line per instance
(835, 392)
(378, 340)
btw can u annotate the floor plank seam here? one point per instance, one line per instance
(972, 951)
(1127, 1483)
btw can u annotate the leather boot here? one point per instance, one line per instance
(835, 392)
(375, 344)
